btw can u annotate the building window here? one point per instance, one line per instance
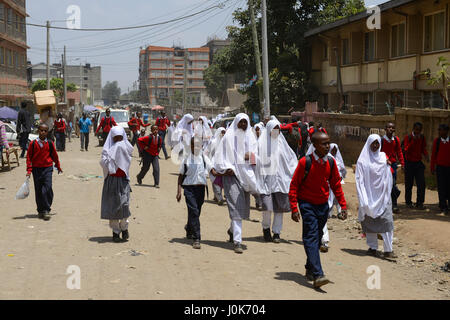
(22, 25)
(2, 12)
(2, 56)
(369, 46)
(9, 57)
(397, 99)
(345, 52)
(9, 16)
(16, 60)
(434, 37)
(432, 99)
(398, 40)
(369, 102)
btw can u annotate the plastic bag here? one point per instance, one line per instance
(24, 190)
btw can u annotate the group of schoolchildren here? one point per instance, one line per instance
(241, 163)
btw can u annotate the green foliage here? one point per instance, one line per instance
(215, 82)
(339, 9)
(56, 84)
(111, 92)
(441, 76)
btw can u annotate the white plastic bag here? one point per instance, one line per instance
(24, 190)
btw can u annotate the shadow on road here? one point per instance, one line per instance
(213, 243)
(413, 213)
(356, 252)
(27, 216)
(297, 278)
(101, 239)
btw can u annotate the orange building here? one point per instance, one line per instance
(13, 53)
(162, 73)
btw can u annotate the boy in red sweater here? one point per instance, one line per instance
(60, 132)
(40, 157)
(414, 146)
(150, 146)
(390, 144)
(311, 191)
(440, 164)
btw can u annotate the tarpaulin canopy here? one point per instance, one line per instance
(88, 108)
(8, 113)
(157, 108)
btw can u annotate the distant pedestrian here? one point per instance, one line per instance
(309, 189)
(440, 165)
(60, 132)
(69, 130)
(415, 147)
(116, 161)
(163, 124)
(23, 127)
(374, 184)
(151, 146)
(192, 179)
(135, 125)
(258, 129)
(4, 144)
(391, 146)
(209, 152)
(106, 124)
(84, 125)
(41, 155)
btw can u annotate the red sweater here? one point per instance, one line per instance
(162, 123)
(442, 158)
(106, 124)
(414, 148)
(315, 189)
(60, 125)
(136, 123)
(119, 173)
(393, 150)
(41, 156)
(153, 148)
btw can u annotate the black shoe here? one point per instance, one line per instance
(188, 234)
(44, 215)
(125, 235)
(116, 237)
(230, 234)
(238, 248)
(320, 281)
(276, 238)
(196, 244)
(395, 209)
(267, 236)
(420, 206)
(309, 275)
(410, 205)
(139, 180)
(372, 252)
(446, 212)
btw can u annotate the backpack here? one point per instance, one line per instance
(159, 142)
(50, 147)
(308, 164)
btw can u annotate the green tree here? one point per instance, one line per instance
(441, 76)
(111, 92)
(56, 84)
(215, 82)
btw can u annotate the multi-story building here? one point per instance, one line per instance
(162, 72)
(86, 76)
(374, 71)
(13, 53)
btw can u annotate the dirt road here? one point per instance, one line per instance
(159, 263)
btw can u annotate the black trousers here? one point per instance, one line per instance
(162, 134)
(84, 140)
(60, 141)
(195, 196)
(443, 183)
(135, 137)
(395, 193)
(42, 178)
(414, 170)
(147, 161)
(23, 142)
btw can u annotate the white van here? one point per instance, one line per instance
(121, 117)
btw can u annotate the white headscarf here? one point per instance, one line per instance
(261, 128)
(339, 161)
(373, 180)
(276, 161)
(170, 133)
(182, 134)
(231, 151)
(215, 142)
(203, 129)
(116, 155)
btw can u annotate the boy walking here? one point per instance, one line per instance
(60, 133)
(40, 157)
(310, 190)
(390, 145)
(440, 165)
(84, 125)
(163, 124)
(106, 124)
(415, 147)
(150, 146)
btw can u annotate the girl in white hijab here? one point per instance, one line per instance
(235, 158)
(115, 161)
(181, 138)
(374, 185)
(258, 129)
(274, 170)
(209, 152)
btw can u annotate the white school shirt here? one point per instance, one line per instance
(445, 140)
(196, 171)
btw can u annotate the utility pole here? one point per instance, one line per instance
(48, 55)
(185, 78)
(65, 74)
(81, 85)
(257, 52)
(265, 61)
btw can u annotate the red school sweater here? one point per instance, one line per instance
(41, 156)
(153, 147)
(393, 150)
(442, 158)
(315, 189)
(414, 148)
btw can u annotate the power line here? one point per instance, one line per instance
(131, 27)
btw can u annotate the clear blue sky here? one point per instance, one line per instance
(117, 52)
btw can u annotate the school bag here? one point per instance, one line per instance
(150, 140)
(308, 164)
(184, 177)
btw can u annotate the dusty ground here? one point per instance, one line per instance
(35, 254)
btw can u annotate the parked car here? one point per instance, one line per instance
(11, 134)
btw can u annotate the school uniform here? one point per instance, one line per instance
(392, 148)
(312, 197)
(414, 168)
(150, 156)
(60, 134)
(106, 125)
(135, 125)
(194, 168)
(163, 123)
(440, 163)
(40, 158)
